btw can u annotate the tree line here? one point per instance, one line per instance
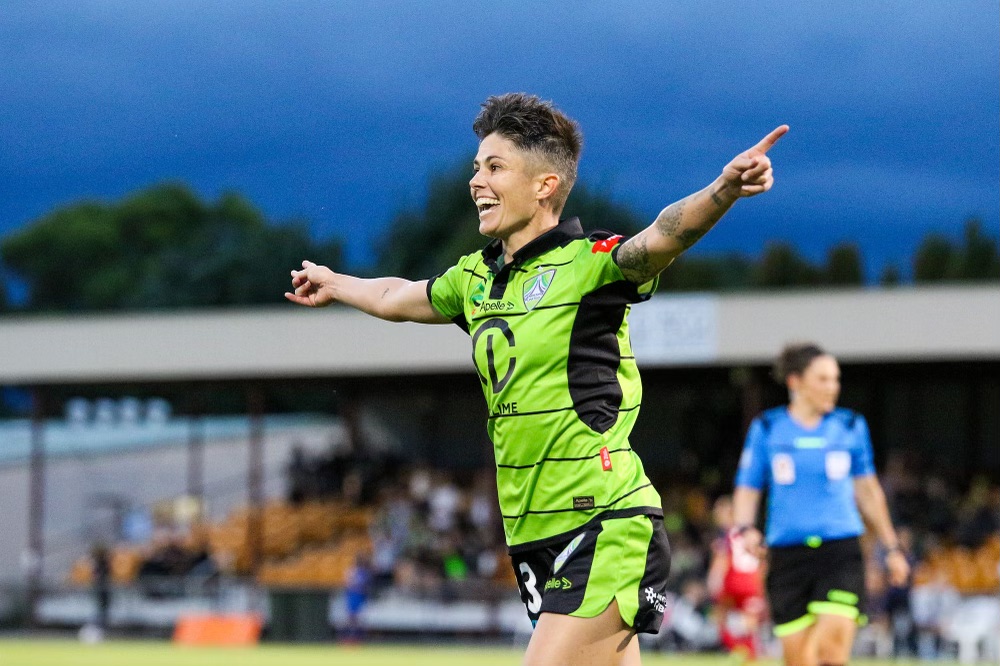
(164, 247)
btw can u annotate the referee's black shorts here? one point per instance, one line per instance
(806, 581)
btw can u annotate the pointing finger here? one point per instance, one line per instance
(755, 172)
(768, 141)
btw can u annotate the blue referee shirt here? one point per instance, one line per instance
(809, 474)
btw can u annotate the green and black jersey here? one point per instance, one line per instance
(550, 342)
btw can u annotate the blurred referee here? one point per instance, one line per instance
(815, 460)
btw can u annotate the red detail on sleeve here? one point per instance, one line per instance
(605, 245)
(605, 459)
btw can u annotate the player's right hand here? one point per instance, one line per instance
(312, 285)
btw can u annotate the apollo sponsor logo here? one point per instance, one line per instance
(558, 584)
(497, 306)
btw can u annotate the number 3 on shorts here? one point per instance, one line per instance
(534, 602)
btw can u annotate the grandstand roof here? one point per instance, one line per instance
(888, 325)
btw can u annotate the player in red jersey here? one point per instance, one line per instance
(736, 582)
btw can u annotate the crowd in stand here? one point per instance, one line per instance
(437, 534)
(169, 557)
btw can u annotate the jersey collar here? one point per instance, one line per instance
(561, 234)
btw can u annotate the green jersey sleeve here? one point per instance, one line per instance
(448, 291)
(600, 269)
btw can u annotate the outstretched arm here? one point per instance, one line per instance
(389, 298)
(681, 224)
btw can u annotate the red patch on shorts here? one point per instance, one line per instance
(605, 459)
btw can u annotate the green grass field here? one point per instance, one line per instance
(28, 652)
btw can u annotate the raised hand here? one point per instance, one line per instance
(313, 286)
(750, 171)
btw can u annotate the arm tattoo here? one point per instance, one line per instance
(633, 260)
(689, 237)
(384, 294)
(668, 223)
(669, 219)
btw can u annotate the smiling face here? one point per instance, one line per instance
(509, 187)
(818, 387)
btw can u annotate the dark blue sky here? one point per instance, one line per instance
(336, 112)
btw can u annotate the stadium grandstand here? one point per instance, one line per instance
(178, 442)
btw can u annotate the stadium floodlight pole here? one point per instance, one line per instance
(31, 559)
(748, 379)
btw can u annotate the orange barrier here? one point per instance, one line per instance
(218, 629)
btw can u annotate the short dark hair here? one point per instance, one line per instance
(794, 359)
(535, 126)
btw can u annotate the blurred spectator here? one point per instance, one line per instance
(897, 603)
(937, 514)
(687, 619)
(932, 604)
(168, 561)
(101, 563)
(443, 501)
(980, 514)
(420, 486)
(389, 533)
(301, 476)
(687, 558)
(902, 488)
(357, 588)
(483, 511)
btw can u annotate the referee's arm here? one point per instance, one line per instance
(746, 501)
(873, 507)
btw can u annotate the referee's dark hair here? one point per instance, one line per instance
(794, 359)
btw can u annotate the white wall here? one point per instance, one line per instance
(140, 477)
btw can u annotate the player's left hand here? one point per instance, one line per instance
(899, 567)
(751, 171)
(313, 286)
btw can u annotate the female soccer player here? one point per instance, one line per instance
(545, 306)
(736, 582)
(816, 461)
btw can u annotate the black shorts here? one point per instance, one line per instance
(803, 582)
(625, 559)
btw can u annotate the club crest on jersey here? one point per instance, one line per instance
(535, 288)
